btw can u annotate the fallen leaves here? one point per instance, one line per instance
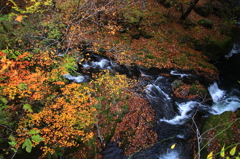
(19, 18)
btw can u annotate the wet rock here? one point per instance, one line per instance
(112, 151)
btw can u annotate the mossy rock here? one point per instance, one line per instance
(213, 48)
(218, 122)
(206, 23)
(222, 129)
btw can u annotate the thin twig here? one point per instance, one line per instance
(199, 137)
(99, 135)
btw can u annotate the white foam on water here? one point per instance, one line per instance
(173, 154)
(185, 110)
(150, 88)
(77, 79)
(178, 74)
(181, 136)
(235, 50)
(144, 75)
(85, 65)
(102, 64)
(228, 104)
(222, 102)
(216, 93)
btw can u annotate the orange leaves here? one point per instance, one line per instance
(22, 56)
(59, 83)
(19, 18)
(64, 113)
(66, 117)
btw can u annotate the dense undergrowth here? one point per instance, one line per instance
(43, 40)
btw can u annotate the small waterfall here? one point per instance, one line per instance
(215, 92)
(158, 95)
(102, 64)
(186, 111)
(224, 101)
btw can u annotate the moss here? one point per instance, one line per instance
(183, 39)
(180, 60)
(193, 89)
(206, 23)
(207, 65)
(213, 48)
(219, 123)
(189, 53)
(150, 56)
(177, 83)
(220, 131)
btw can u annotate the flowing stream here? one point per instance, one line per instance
(173, 115)
(177, 119)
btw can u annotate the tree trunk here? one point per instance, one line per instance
(188, 11)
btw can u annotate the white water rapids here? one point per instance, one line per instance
(173, 114)
(172, 154)
(222, 101)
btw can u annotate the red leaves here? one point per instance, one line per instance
(136, 126)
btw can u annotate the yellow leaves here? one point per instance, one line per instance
(222, 153)
(5, 64)
(210, 155)
(65, 116)
(173, 146)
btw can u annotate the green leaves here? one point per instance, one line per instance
(33, 131)
(28, 145)
(233, 151)
(22, 86)
(3, 100)
(37, 138)
(222, 153)
(12, 143)
(27, 107)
